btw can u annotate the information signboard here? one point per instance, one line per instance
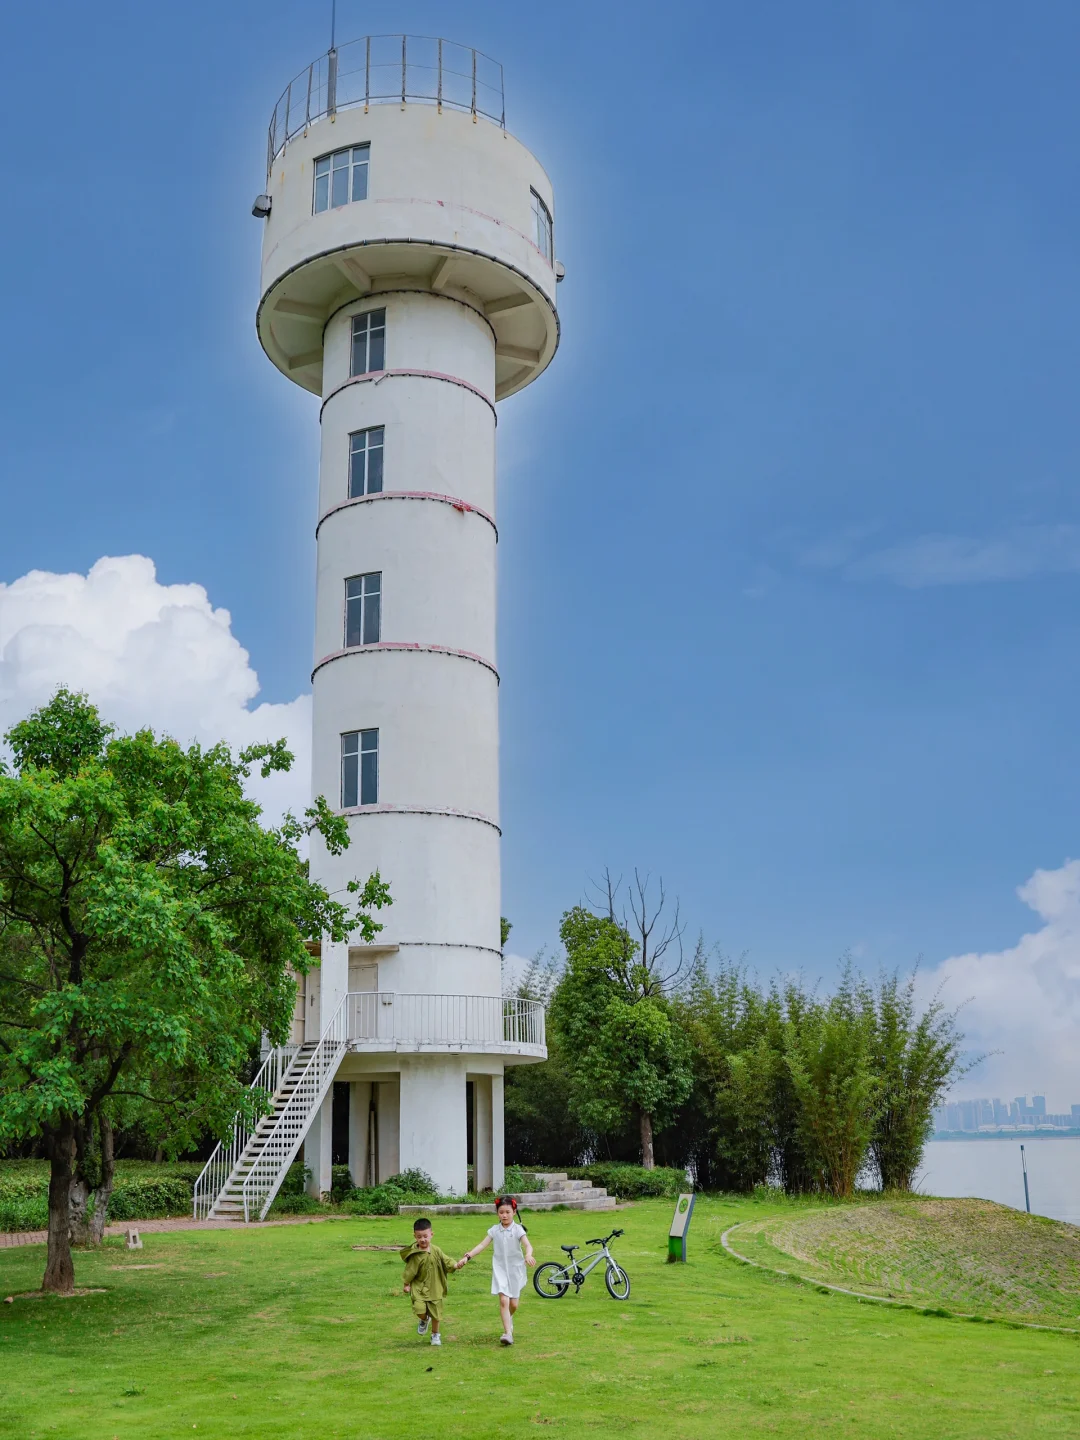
(680, 1224)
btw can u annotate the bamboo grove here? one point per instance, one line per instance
(747, 1082)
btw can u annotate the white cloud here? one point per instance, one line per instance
(146, 654)
(938, 559)
(1025, 1001)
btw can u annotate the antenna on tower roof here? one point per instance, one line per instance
(331, 63)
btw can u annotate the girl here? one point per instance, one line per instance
(507, 1239)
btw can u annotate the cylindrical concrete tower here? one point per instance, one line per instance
(408, 280)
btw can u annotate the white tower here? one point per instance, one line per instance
(408, 280)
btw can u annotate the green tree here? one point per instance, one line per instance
(626, 1055)
(916, 1058)
(150, 929)
(829, 1055)
(742, 1111)
(727, 1119)
(540, 1126)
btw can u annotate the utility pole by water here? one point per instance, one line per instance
(1027, 1196)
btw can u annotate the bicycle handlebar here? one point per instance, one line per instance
(613, 1236)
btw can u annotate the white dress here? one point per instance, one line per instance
(508, 1275)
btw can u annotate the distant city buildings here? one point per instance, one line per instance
(992, 1116)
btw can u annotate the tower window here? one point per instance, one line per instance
(543, 228)
(341, 177)
(368, 342)
(366, 462)
(363, 604)
(359, 768)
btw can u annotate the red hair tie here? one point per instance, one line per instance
(506, 1200)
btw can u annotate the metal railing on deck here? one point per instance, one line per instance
(256, 1158)
(381, 69)
(444, 1020)
(225, 1156)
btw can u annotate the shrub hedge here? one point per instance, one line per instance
(298, 1203)
(145, 1191)
(141, 1191)
(631, 1182)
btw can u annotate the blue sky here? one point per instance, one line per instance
(790, 531)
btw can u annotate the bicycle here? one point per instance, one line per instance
(552, 1280)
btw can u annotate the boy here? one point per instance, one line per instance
(426, 1269)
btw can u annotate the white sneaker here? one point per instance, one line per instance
(421, 1329)
(436, 1339)
(507, 1339)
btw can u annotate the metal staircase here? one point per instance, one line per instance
(240, 1179)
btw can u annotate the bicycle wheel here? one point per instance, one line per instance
(550, 1280)
(617, 1282)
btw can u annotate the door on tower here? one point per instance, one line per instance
(364, 1006)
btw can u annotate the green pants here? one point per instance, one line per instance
(422, 1307)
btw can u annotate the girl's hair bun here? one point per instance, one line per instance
(506, 1200)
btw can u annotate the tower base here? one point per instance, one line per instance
(410, 1112)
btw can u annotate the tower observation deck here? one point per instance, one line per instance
(408, 281)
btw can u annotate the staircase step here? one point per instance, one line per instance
(541, 1202)
(278, 1127)
(533, 1198)
(599, 1202)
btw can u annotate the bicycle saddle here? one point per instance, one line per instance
(569, 1248)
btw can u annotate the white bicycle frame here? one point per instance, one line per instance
(574, 1266)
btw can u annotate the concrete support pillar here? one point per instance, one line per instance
(312, 1026)
(318, 1147)
(359, 1125)
(483, 1177)
(388, 1101)
(498, 1135)
(334, 981)
(434, 1131)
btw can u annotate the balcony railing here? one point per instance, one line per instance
(382, 69)
(378, 1018)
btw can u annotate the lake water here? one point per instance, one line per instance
(991, 1170)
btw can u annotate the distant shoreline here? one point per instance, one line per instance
(1063, 1134)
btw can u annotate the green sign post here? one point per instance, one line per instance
(680, 1224)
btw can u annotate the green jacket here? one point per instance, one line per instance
(426, 1271)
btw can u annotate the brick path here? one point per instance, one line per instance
(9, 1239)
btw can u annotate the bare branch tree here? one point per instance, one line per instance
(650, 936)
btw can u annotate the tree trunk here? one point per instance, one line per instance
(647, 1160)
(91, 1187)
(59, 1274)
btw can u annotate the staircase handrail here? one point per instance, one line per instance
(225, 1154)
(291, 1124)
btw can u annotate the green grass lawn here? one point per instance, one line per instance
(290, 1332)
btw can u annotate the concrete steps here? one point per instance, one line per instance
(533, 1198)
(572, 1194)
(558, 1191)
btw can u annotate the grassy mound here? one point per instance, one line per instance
(968, 1256)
